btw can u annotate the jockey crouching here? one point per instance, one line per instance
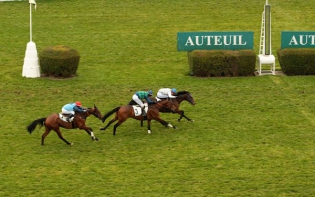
(71, 108)
(165, 93)
(142, 95)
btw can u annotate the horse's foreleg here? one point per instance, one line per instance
(163, 122)
(141, 124)
(89, 131)
(181, 113)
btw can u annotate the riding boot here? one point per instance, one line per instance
(143, 111)
(70, 118)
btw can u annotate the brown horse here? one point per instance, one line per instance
(53, 122)
(127, 111)
(181, 96)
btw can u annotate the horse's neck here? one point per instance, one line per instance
(161, 104)
(84, 114)
(179, 99)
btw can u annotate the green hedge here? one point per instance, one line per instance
(297, 61)
(222, 63)
(59, 61)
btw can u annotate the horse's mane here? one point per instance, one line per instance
(182, 92)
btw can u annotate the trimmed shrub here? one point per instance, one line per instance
(222, 63)
(297, 61)
(59, 61)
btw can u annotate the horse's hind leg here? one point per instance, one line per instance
(61, 137)
(115, 127)
(149, 126)
(163, 122)
(117, 124)
(47, 131)
(108, 124)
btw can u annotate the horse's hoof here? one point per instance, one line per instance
(191, 120)
(174, 127)
(71, 144)
(94, 138)
(149, 132)
(102, 129)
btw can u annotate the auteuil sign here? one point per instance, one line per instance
(297, 39)
(189, 41)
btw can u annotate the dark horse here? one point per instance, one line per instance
(53, 122)
(127, 111)
(181, 96)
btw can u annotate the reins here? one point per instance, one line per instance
(88, 113)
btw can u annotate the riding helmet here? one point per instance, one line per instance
(150, 92)
(78, 103)
(174, 90)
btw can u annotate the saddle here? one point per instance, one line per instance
(162, 99)
(137, 109)
(63, 116)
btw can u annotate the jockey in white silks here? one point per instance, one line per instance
(166, 93)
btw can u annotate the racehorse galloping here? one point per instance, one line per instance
(53, 122)
(181, 96)
(127, 111)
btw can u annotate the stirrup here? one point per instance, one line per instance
(143, 112)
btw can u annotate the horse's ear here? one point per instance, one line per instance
(95, 106)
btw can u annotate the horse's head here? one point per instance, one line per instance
(186, 96)
(190, 99)
(96, 112)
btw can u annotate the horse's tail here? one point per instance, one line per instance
(110, 113)
(30, 128)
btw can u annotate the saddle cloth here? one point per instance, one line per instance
(63, 116)
(137, 109)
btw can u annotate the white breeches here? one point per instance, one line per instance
(137, 100)
(64, 111)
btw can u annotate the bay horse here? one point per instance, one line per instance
(53, 122)
(181, 96)
(127, 111)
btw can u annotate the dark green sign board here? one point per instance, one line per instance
(189, 41)
(297, 39)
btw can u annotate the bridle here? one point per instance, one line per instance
(89, 111)
(189, 98)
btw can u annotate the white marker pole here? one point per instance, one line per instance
(30, 22)
(31, 65)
